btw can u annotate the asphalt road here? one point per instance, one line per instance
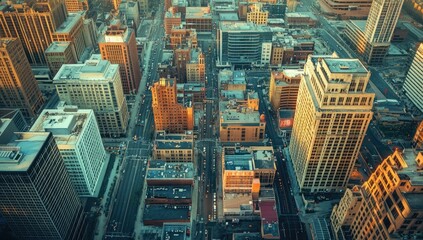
(129, 188)
(290, 226)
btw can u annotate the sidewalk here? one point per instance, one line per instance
(102, 219)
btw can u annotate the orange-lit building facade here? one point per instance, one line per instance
(18, 87)
(198, 18)
(196, 67)
(284, 87)
(171, 19)
(181, 37)
(119, 46)
(332, 115)
(256, 15)
(388, 205)
(169, 114)
(27, 21)
(76, 5)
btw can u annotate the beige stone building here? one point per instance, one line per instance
(256, 15)
(196, 67)
(174, 147)
(18, 87)
(332, 115)
(169, 114)
(388, 205)
(240, 120)
(57, 54)
(96, 85)
(284, 87)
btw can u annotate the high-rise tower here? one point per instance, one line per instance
(95, 85)
(119, 46)
(413, 84)
(372, 38)
(18, 87)
(33, 22)
(332, 115)
(37, 198)
(170, 115)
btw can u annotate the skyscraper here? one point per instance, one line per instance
(169, 114)
(95, 85)
(413, 84)
(388, 205)
(119, 46)
(372, 38)
(332, 115)
(37, 198)
(18, 87)
(78, 139)
(33, 22)
(76, 5)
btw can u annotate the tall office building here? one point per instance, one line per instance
(241, 42)
(388, 205)
(95, 85)
(72, 31)
(37, 198)
(372, 38)
(18, 87)
(169, 114)
(413, 84)
(33, 22)
(118, 45)
(78, 139)
(59, 53)
(331, 118)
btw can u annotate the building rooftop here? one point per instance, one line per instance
(228, 17)
(235, 113)
(227, 76)
(169, 192)
(264, 159)
(170, 14)
(191, 87)
(414, 200)
(286, 113)
(241, 161)
(240, 26)
(269, 218)
(116, 34)
(195, 53)
(301, 15)
(93, 69)
(162, 135)
(167, 212)
(19, 154)
(246, 236)
(65, 124)
(232, 94)
(159, 169)
(361, 24)
(198, 12)
(176, 231)
(344, 65)
(57, 47)
(410, 172)
(173, 145)
(267, 193)
(69, 23)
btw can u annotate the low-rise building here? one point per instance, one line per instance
(257, 15)
(172, 19)
(174, 147)
(163, 173)
(283, 88)
(198, 18)
(176, 231)
(300, 20)
(158, 214)
(291, 47)
(169, 194)
(232, 80)
(11, 121)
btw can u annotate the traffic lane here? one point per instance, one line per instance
(333, 44)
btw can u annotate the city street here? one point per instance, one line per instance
(128, 190)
